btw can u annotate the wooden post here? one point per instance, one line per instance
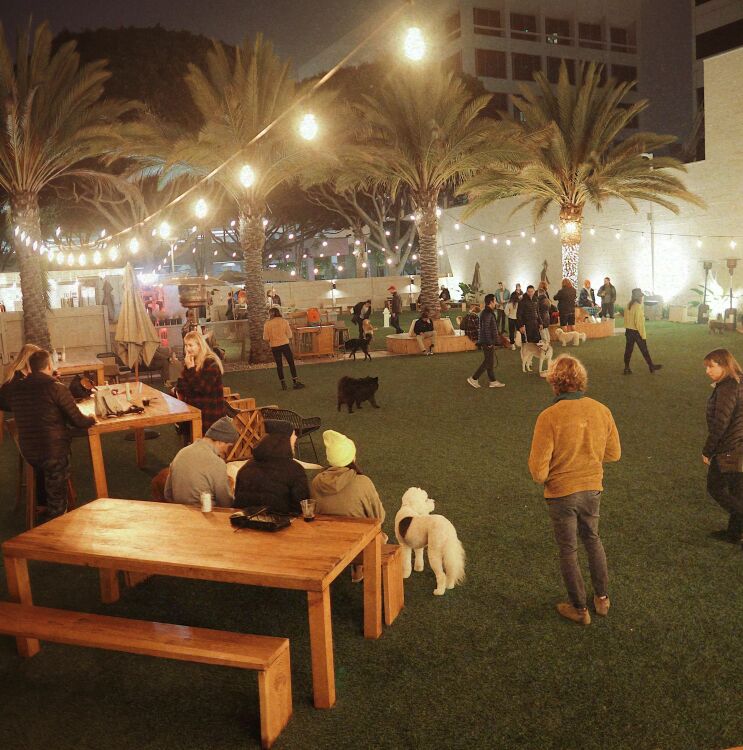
(321, 647)
(373, 588)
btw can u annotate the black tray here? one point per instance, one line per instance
(261, 519)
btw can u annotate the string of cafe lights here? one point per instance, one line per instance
(414, 47)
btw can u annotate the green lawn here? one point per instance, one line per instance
(489, 665)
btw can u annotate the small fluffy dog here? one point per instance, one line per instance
(416, 529)
(570, 337)
(354, 345)
(717, 326)
(355, 390)
(530, 351)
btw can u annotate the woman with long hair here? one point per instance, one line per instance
(200, 383)
(723, 449)
(634, 332)
(15, 373)
(565, 298)
(512, 313)
(278, 333)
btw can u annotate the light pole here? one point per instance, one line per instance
(649, 156)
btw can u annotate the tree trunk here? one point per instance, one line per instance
(571, 233)
(24, 210)
(252, 240)
(427, 252)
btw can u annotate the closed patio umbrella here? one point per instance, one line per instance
(476, 281)
(136, 338)
(108, 300)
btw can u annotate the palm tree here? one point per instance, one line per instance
(56, 130)
(238, 96)
(423, 131)
(582, 161)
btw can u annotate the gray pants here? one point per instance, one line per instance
(426, 340)
(573, 516)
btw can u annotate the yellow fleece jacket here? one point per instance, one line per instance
(572, 439)
(277, 332)
(634, 317)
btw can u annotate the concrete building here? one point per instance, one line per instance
(653, 249)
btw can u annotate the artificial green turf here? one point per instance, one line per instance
(488, 665)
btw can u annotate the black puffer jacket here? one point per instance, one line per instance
(7, 389)
(272, 477)
(528, 313)
(724, 418)
(565, 299)
(488, 328)
(544, 310)
(44, 410)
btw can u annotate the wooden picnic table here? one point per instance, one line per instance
(78, 363)
(158, 539)
(162, 409)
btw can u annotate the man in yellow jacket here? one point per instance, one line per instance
(572, 440)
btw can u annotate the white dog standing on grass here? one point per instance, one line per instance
(570, 337)
(416, 529)
(530, 351)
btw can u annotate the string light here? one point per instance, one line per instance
(308, 127)
(592, 230)
(340, 268)
(457, 226)
(415, 44)
(164, 230)
(83, 259)
(96, 257)
(363, 265)
(508, 242)
(482, 238)
(200, 208)
(113, 253)
(247, 176)
(699, 243)
(533, 240)
(494, 240)
(133, 245)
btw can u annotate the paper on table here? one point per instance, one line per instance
(234, 466)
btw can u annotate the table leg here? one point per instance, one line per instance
(321, 648)
(373, 588)
(196, 429)
(19, 590)
(109, 585)
(100, 374)
(139, 447)
(99, 468)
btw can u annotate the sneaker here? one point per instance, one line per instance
(473, 382)
(513, 347)
(298, 386)
(653, 368)
(601, 605)
(497, 384)
(627, 371)
(283, 385)
(569, 612)
(431, 351)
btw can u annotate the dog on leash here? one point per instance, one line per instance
(417, 529)
(354, 345)
(570, 337)
(530, 351)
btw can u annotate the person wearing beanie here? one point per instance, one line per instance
(200, 467)
(395, 309)
(634, 332)
(272, 477)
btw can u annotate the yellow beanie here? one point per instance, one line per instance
(339, 449)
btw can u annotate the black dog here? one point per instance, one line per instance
(355, 390)
(354, 345)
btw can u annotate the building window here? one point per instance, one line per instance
(590, 36)
(497, 107)
(453, 26)
(622, 40)
(524, 66)
(553, 69)
(524, 26)
(487, 22)
(490, 63)
(625, 73)
(453, 63)
(557, 31)
(720, 39)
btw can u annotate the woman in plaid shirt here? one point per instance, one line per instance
(200, 383)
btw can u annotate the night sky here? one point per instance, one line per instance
(299, 28)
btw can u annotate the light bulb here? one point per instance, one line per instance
(415, 44)
(265, 223)
(466, 246)
(82, 259)
(508, 242)
(618, 236)
(200, 208)
(96, 257)
(340, 268)
(441, 252)
(70, 259)
(414, 256)
(533, 240)
(494, 240)
(733, 244)
(593, 231)
(389, 261)
(164, 230)
(324, 243)
(247, 176)
(482, 238)
(308, 127)
(292, 273)
(316, 271)
(699, 243)
(363, 265)
(523, 233)
(114, 253)
(134, 245)
(456, 226)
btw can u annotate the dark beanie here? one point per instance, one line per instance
(223, 430)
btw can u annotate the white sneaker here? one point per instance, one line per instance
(513, 347)
(497, 384)
(473, 382)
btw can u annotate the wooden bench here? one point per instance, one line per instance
(393, 591)
(447, 340)
(267, 655)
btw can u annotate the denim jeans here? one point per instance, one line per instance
(574, 516)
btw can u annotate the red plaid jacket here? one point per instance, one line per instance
(203, 389)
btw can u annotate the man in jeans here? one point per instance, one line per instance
(501, 297)
(488, 337)
(572, 440)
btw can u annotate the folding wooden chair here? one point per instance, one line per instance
(249, 423)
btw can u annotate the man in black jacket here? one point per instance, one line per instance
(44, 411)
(395, 309)
(608, 294)
(527, 317)
(361, 312)
(425, 333)
(488, 338)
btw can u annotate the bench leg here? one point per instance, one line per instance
(275, 694)
(132, 578)
(19, 590)
(393, 589)
(373, 588)
(139, 448)
(321, 648)
(109, 585)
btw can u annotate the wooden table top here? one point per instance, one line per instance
(162, 409)
(180, 540)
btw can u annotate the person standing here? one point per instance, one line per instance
(501, 298)
(395, 309)
(723, 448)
(608, 295)
(565, 298)
(425, 333)
(543, 304)
(44, 412)
(634, 332)
(528, 320)
(488, 337)
(278, 333)
(361, 312)
(572, 440)
(512, 307)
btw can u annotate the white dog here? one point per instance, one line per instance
(570, 337)
(529, 351)
(416, 529)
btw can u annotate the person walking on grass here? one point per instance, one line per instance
(723, 448)
(634, 332)
(395, 309)
(278, 333)
(572, 440)
(487, 340)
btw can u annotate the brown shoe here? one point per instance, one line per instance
(601, 605)
(579, 616)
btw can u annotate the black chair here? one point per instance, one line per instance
(304, 427)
